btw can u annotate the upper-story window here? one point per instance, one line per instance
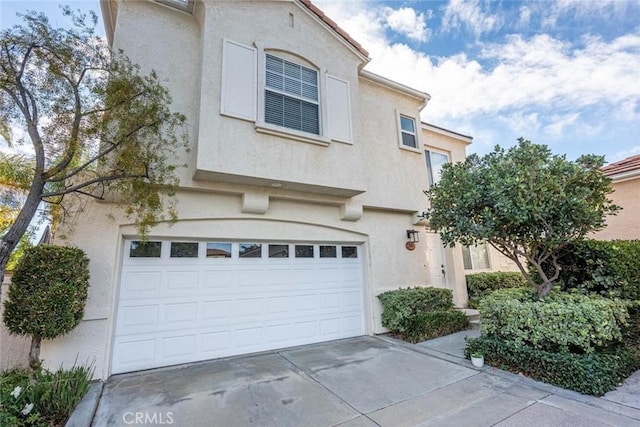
(291, 95)
(285, 93)
(408, 132)
(435, 161)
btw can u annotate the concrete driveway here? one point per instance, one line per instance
(363, 381)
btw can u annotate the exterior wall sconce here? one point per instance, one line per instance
(413, 236)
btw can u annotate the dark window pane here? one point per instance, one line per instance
(408, 140)
(250, 250)
(184, 250)
(278, 251)
(328, 252)
(349, 252)
(218, 250)
(466, 258)
(304, 251)
(145, 250)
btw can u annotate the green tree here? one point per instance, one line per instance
(48, 295)
(525, 201)
(97, 126)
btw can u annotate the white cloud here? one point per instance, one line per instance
(624, 154)
(407, 22)
(525, 16)
(469, 13)
(560, 122)
(536, 77)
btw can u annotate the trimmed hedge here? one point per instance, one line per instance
(593, 373)
(400, 304)
(481, 284)
(562, 322)
(434, 324)
(418, 314)
(609, 268)
(48, 292)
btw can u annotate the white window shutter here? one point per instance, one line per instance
(338, 110)
(239, 81)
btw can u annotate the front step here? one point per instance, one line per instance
(473, 316)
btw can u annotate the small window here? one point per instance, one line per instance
(278, 251)
(435, 161)
(408, 132)
(184, 250)
(145, 249)
(250, 250)
(218, 250)
(328, 252)
(349, 252)
(475, 257)
(304, 251)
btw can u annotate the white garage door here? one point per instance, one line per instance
(183, 301)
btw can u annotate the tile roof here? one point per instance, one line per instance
(626, 165)
(320, 14)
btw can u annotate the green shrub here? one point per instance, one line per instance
(482, 284)
(592, 373)
(433, 324)
(609, 268)
(53, 395)
(47, 295)
(418, 314)
(401, 304)
(562, 322)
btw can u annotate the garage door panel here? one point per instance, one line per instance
(182, 280)
(178, 310)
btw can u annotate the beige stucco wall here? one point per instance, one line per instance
(14, 350)
(625, 224)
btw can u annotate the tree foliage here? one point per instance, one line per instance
(96, 125)
(524, 201)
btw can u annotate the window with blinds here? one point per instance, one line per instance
(291, 95)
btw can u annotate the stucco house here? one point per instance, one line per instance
(304, 185)
(625, 176)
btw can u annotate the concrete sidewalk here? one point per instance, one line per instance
(366, 381)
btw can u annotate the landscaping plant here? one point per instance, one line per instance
(44, 401)
(47, 296)
(418, 314)
(526, 202)
(481, 284)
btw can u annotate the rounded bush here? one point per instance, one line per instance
(401, 304)
(481, 284)
(561, 322)
(48, 292)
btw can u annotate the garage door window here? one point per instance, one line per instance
(328, 252)
(250, 250)
(218, 250)
(349, 252)
(184, 250)
(145, 249)
(278, 251)
(304, 251)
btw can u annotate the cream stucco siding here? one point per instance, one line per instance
(624, 225)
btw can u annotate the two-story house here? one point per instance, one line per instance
(304, 185)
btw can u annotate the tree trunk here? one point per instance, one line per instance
(544, 289)
(12, 237)
(34, 354)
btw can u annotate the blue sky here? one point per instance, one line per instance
(565, 73)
